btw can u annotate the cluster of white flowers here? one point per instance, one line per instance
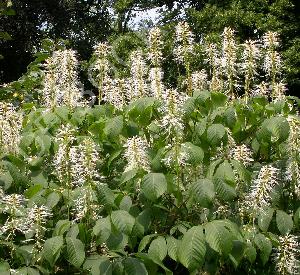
(229, 59)
(287, 255)
(293, 168)
(101, 67)
(155, 47)
(214, 61)
(294, 136)
(10, 128)
(260, 195)
(242, 153)
(65, 138)
(14, 206)
(61, 84)
(37, 218)
(136, 154)
(176, 156)
(261, 89)
(172, 112)
(86, 206)
(272, 61)
(156, 84)
(184, 40)
(199, 80)
(138, 74)
(250, 57)
(83, 161)
(117, 92)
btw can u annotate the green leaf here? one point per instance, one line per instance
(53, 199)
(265, 247)
(250, 253)
(125, 203)
(144, 242)
(192, 249)
(173, 245)
(284, 222)
(133, 266)
(75, 251)
(61, 227)
(113, 127)
(18, 178)
(225, 172)
(105, 196)
(142, 223)
(219, 237)
(203, 192)
(215, 134)
(158, 249)
(102, 229)
(97, 264)
(297, 218)
(194, 153)
(224, 190)
(52, 248)
(123, 221)
(154, 185)
(264, 218)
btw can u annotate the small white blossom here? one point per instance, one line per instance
(287, 255)
(199, 80)
(83, 161)
(138, 74)
(242, 153)
(86, 206)
(61, 82)
(184, 40)
(136, 154)
(157, 87)
(10, 128)
(155, 47)
(259, 196)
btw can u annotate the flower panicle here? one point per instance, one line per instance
(136, 154)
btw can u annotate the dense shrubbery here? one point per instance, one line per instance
(202, 178)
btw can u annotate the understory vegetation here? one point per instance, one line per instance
(153, 175)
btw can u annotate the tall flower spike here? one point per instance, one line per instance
(229, 60)
(86, 206)
(155, 47)
(184, 40)
(261, 89)
(83, 162)
(157, 87)
(214, 61)
(250, 58)
(294, 136)
(10, 128)
(61, 161)
(61, 84)
(286, 255)
(136, 154)
(259, 196)
(199, 80)
(172, 114)
(38, 217)
(101, 67)
(116, 92)
(242, 153)
(272, 61)
(138, 74)
(184, 48)
(278, 92)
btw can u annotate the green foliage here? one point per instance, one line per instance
(121, 192)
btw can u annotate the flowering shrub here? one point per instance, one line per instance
(202, 179)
